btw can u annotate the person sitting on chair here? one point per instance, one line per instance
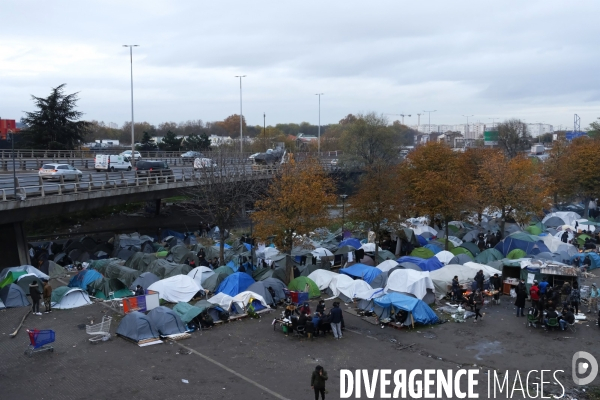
(139, 290)
(567, 318)
(551, 314)
(316, 320)
(290, 310)
(309, 328)
(321, 307)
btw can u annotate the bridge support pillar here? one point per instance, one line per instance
(13, 245)
(157, 207)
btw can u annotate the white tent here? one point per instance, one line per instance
(369, 247)
(321, 252)
(410, 281)
(555, 245)
(387, 265)
(322, 278)
(72, 298)
(419, 229)
(442, 277)
(369, 294)
(222, 300)
(455, 241)
(487, 270)
(27, 268)
(582, 225)
(243, 299)
(569, 217)
(347, 289)
(200, 274)
(444, 256)
(340, 280)
(176, 288)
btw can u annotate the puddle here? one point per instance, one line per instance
(486, 349)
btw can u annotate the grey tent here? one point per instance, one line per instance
(88, 243)
(124, 254)
(277, 286)
(164, 269)
(262, 273)
(137, 326)
(379, 281)
(13, 296)
(166, 321)
(56, 271)
(171, 241)
(384, 255)
(24, 280)
(261, 289)
(212, 282)
(122, 273)
(409, 265)
(209, 308)
(553, 222)
(460, 258)
(144, 280)
(281, 274)
(147, 247)
(140, 261)
(180, 255)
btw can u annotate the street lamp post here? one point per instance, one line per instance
(241, 115)
(429, 123)
(131, 46)
(12, 148)
(343, 196)
(319, 141)
(265, 129)
(466, 131)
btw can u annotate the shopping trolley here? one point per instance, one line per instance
(40, 341)
(101, 331)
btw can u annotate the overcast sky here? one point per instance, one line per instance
(535, 60)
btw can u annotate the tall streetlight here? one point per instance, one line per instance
(343, 196)
(241, 115)
(319, 144)
(131, 46)
(429, 123)
(12, 147)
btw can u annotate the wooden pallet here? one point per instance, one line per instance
(179, 336)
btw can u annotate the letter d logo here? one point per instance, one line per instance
(579, 367)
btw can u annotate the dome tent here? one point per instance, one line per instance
(300, 283)
(166, 321)
(364, 272)
(422, 252)
(137, 327)
(144, 280)
(235, 283)
(176, 288)
(66, 298)
(13, 296)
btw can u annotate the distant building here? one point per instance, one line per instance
(217, 141)
(539, 129)
(7, 126)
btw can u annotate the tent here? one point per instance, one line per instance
(12, 277)
(262, 290)
(300, 283)
(200, 274)
(419, 311)
(418, 284)
(435, 249)
(13, 296)
(222, 300)
(442, 243)
(351, 242)
(84, 278)
(594, 258)
(408, 265)
(384, 255)
(137, 327)
(56, 271)
(444, 256)
(387, 265)
(534, 229)
(235, 283)
(166, 321)
(27, 268)
(124, 274)
(370, 247)
(460, 259)
(212, 282)
(340, 280)
(24, 281)
(426, 265)
(472, 247)
(420, 229)
(361, 271)
(277, 286)
(560, 218)
(365, 299)
(186, 311)
(555, 245)
(422, 252)
(322, 278)
(461, 250)
(165, 269)
(65, 298)
(442, 278)
(225, 269)
(181, 254)
(421, 240)
(144, 280)
(516, 254)
(243, 299)
(346, 288)
(489, 255)
(140, 261)
(176, 288)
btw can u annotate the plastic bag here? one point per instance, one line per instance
(513, 293)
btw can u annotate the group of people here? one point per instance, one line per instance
(203, 261)
(36, 293)
(319, 322)
(487, 241)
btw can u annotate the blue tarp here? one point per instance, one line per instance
(422, 241)
(247, 246)
(84, 278)
(351, 242)
(530, 248)
(595, 258)
(435, 249)
(421, 312)
(362, 271)
(430, 264)
(235, 283)
(167, 232)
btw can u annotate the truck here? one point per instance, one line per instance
(107, 162)
(537, 149)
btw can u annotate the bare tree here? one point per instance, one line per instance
(513, 137)
(225, 185)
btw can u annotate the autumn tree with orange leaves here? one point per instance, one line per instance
(514, 187)
(296, 203)
(582, 170)
(435, 183)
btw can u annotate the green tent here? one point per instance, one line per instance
(186, 311)
(58, 293)
(12, 277)
(224, 269)
(384, 255)
(299, 284)
(581, 239)
(461, 250)
(536, 228)
(441, 243)
(472, 247)
(488, 255)
(422, 252)
(516, 254)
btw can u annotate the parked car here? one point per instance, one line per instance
(153, 168)
(55, 171)
(136, 155)
(105, 162)
(191, 155)
(204, 163)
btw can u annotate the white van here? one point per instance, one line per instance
(105, 162)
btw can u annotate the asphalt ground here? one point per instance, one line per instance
(248, 359)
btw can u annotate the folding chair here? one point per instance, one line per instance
(299, 331)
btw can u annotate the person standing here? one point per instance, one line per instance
(543, 285)
(336, 320)
(455, 288)
(534, 294)
(34, 292)
(521, 297)
(575, 297)
(593, 302)
(317, 382)
(479, 278)
(47, 297)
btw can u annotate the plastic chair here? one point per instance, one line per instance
(532, 320)
(552, 323)
(572, 327)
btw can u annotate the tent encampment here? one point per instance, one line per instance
(419, 312)
(235, 283)
(137, 327)
(300, 283)
(84, 278)
(65, 298)
(166, 321)
(361, 271)
(13, 296)
(415, 283)
(144, 280)
(176, 288)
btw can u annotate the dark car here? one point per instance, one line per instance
(153, 168)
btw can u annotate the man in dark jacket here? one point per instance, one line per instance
(479, 278)
(336, 320)
(47, 297)
(34, 292)
(317, 382)
(521, 297)
(139, 291)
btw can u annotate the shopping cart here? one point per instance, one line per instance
(40, 341)
(101, 331)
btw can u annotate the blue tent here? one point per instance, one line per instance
(365, 272)
(167, 232)
(594, 257)
(422, 241)
(421, 312)
(528, 245)
(351, 242)
(84, 278)
(435, 249)
(430, 264)
(235, 283)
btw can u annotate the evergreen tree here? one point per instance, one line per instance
(147, 143)
(197, 142)
(55, 125)
(170, 142)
